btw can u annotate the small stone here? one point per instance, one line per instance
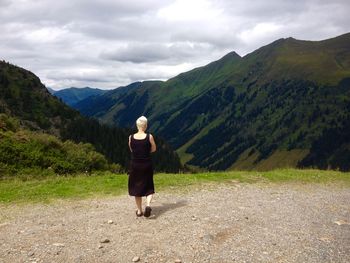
(194, 218)
(178, 261)
(341, 222)
(58, 244)
(105, 240)
(30, 253)
(110, 221)
(208, 237)
(324, 239)
(135, 259)
(100, 246)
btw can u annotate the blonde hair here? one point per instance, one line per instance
(141, 122)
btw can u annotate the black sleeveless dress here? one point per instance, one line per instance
(140, 182)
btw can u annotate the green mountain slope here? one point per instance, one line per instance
(24, 97)
(73, 95)
(100, 105)
(264, 110)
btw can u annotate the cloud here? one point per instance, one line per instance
(261, 32)
(189, 11)
(156, 52)
(111, 43)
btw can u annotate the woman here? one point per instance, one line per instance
(140, 181)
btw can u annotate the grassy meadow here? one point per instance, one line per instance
(31, 188)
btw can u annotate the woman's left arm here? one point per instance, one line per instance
(130, 143)
(153, 144)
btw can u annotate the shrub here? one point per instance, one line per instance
(26, 149)
(8, 123)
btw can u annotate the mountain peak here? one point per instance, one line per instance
(228, 58)
(290, 39)
(232, 54)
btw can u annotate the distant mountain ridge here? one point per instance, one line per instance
(265, 110)
(52, 91)
(94, 104)
(72, 96)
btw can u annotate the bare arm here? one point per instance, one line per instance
(153, 144)
(129, 143)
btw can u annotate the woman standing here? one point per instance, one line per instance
(140, 181)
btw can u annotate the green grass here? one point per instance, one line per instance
(24, 190)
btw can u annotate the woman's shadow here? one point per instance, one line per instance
(158, 210)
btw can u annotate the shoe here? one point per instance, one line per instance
(147, 211)
(138, 215)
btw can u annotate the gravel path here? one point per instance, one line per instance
(230, 222)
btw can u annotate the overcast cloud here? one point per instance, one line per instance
(109, 43)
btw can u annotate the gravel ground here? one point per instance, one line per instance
(230, 222)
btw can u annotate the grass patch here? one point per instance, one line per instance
(307, 176)
(53, 187)
(25, 189)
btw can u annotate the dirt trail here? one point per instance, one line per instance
(230, 222)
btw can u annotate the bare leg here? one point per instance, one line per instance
(138, 200)
(149, 199)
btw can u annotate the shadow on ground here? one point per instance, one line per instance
(164, 207)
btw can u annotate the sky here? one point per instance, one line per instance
(110, 43)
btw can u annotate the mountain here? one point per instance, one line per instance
(100, 104)
(73, 95)
(22, 95)
(274, 107)
(52, 91)
(25, 98)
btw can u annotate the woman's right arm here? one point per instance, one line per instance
(153, 144)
